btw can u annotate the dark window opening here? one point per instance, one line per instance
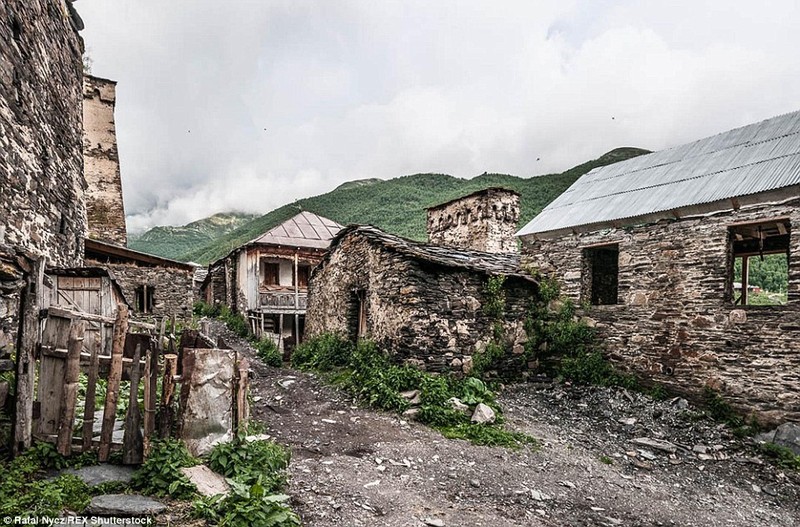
(601, 274)
(144, 298)
(271, 274)
(759, 270)
(16, 29)
(62, 224)
(303, 273)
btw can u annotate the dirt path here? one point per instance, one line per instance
(357, 467)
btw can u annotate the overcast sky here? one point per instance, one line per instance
(249, 104)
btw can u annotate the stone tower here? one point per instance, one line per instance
(105, 210)
(482, 221)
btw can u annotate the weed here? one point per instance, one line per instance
(781, 456)
(606, 460)
(251, 462)
(267, 351)
(161, 476)
(247, 505)
(590, 367)
(487, 435)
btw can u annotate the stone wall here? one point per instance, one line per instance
(484, 221)
(42, 211)
(172, 288)
(105, 208)
(420, 312)
(674, 322)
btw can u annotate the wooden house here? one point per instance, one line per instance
(266, 279)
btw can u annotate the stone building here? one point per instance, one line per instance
(42, 211)
(155, 287)
(485, 220)
(424, 303)
(105, 208)
(656, 245)
(266, 279)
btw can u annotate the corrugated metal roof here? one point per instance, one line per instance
(303, 230)
(755, 158)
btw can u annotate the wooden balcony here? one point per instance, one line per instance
(282, 302)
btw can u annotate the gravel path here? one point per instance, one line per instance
(607, 457)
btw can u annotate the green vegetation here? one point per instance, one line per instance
(256, 471)
(24, 493)
(781, 456)
(396, 205)
(268, 352)
(366, 373)
(174, 242)
(770, 275)
(161, 476)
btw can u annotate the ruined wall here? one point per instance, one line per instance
(172, 293)
(484, 221)
(674, 322)
(105, 208)
(424, 314)
(42, 209)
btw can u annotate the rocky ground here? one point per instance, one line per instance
(606, 457)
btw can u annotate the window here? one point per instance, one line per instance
(144, 298)
(303, 272)
(759, 263)
(271, 274)
(601, 274)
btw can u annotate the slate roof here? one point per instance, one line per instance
(755, 158)
(305, 229)
(488, 263)
(489, 190)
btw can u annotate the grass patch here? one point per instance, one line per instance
(366, 373)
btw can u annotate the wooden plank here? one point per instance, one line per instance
(51, 375)
(114, 377)
(132, 443)
(27, 340)
(69, 392)
(242, 386)
(166, 411)
(91, 391)
(150, 395)
(66, 313)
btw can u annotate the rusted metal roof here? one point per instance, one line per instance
(477, 261)
(303, 230)
(756, 158)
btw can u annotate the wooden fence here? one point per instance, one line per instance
(73, 343)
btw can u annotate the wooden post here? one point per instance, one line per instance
(242, 409)
(165, 415)
(91, 392)
(114, 377)
(150, 395)
(296, 301)
(745, 278)
(27, 339)
(69, 394)
(132, 443)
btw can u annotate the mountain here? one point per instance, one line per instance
(175, 242)
(396, 205)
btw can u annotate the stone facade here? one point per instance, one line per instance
(105, 208)
(425, 311)
(42, 211)
(482, 221)
(673, 320)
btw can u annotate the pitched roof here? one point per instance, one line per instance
(488, 263)
(755, 158)
(305, 229)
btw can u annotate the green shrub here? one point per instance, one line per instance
(323, 353)
(23, 493)
(251, 462)
(487, 435)
(160, 475)
(246, 506)
(591, 368)
(202, 309)
(781, 456)
(268, 352)
(235, 321)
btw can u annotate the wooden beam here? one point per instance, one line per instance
(69, 395)
(166, 413)
(91, 392)
(66, 313)
(133, 442)
(114, 378)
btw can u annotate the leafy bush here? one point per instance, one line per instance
(23, 493)
(323, 353)
(160, 475)
(781, 456)
(590, 367)
(246, 506)
(202, 309)
(235, 321)
(251, 462)
(267, 351)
